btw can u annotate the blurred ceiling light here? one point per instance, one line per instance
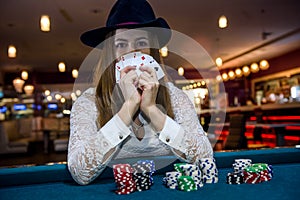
(231, 75)
(45, 23)
(224, 76)
(246, 70)
(164, 51)
(219, 62)
(78, 92)
(58, 96)
(61, 67)
(75, 73)
(24, 75)
(254, 68)
(28, 89)
(180, 71)
(49, 98)
(223, 22)
(264, 65)
(12, 51)
(18, 84)
(238, 73)
(63, 100)
(47, 92)
(219, 78)
(73, 96)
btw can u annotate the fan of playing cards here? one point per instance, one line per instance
(138, 59)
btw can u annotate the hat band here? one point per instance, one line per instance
(127, 23)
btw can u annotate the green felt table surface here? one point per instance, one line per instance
(54, 182)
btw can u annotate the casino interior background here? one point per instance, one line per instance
(260, 72)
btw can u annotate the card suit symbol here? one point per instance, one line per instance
(143, 58)
(134, 55)
(118, 67)
(123, 58)
(142, 64)
(156, 68)
(151, 61)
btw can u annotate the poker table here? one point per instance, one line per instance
(55, 182)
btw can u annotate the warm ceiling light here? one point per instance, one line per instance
(164, 51)
(224, 76)
(24, 75)
(254, 67)
(45, 23)
(18, 84)
(219, 78)
(49, 98)
(63, 100)
(61, 67)
(231, 74)
(12, 51)
(223, 22)
(219, 62)
(75, 73)
(28, 89)
(246, 70)
(78, 92)
(47, 92)
(180, 71)
(238, 72)
(264, 65)
(58, 96)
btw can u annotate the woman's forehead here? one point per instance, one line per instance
(130, 34)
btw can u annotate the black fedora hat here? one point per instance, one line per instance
(129, 14)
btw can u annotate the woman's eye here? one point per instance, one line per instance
(121, 45)
(143, 44)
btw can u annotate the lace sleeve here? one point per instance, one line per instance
(196, 142)
(87, 146)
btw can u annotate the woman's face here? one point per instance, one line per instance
(130, 40)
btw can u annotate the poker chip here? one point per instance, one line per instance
(137, 177)
(246, 172)
(123, 178)
(235, 178)
(240, 164)
(171, 179)
(186, 183)
(209, 170)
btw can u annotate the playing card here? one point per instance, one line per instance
(138, 59)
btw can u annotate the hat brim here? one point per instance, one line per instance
(95, 37)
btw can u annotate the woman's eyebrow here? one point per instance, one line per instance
(121, 40)
(141, 38)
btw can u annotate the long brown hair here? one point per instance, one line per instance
(108, 93)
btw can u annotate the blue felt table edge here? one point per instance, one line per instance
(59, 172)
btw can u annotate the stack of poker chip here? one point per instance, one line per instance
(171, 179)
(186, 183)
(190, 170)
(209, 170)
(240, 164)
(235, 178)
(142, 174)
(257, 173)
(190, 177)
(246, 172)
(124, 179)
(137, 177)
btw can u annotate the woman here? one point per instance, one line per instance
(139, 116)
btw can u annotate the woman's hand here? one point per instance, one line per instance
(149, 84)
(128, 85)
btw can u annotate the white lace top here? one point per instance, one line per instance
(89, 143)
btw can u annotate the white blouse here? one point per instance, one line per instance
(89, 143)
